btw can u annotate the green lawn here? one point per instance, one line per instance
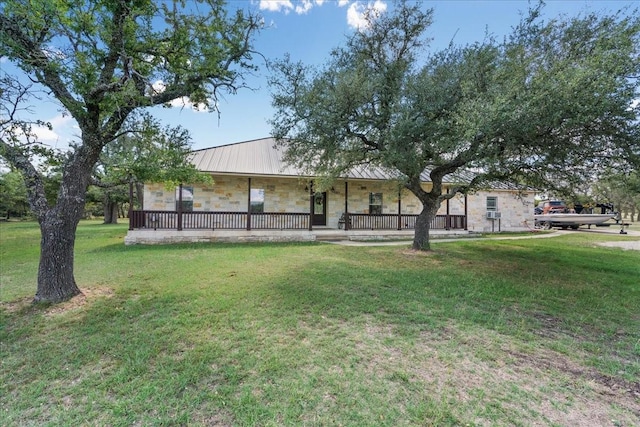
(479, 332)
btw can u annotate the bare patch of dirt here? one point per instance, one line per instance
(484, 371)
(87, 296)
(633, 245)
(215, 420)
(16, 305)
(551, 326)
(549, 361)
(428, 256)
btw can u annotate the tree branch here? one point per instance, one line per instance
(33, 180)
(33, 55)
(99, 183)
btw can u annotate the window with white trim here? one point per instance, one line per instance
(187, 199)
(257, 200)
(492, 203)
(375, 203)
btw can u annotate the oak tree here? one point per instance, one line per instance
(149, 153)
(546, 106)
(102, 61)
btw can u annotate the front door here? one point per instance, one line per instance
(320, 209)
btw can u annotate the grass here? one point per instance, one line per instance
(483, 332)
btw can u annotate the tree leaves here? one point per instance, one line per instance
(101, 62)
(547, 107)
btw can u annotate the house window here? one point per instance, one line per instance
(375, 203)
(187, 199)
(492, 203)
(257, 200)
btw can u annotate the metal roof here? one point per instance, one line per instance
(257, 157)
(262, 157)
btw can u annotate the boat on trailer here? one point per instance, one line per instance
(571, 220)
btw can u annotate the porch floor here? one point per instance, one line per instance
(324, 234)
(149, 236)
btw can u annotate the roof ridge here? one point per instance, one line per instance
(233, 143)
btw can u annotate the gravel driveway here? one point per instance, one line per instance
(632, 245)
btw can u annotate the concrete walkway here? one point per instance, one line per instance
(612, 231)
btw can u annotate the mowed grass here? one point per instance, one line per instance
(485, 332)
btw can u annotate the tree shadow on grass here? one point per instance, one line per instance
(514, 289)
(201, 246)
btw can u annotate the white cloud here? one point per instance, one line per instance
(304, 7)
(357, 12)
(60, 124)
(61, 120)
(158, 87)
(185, 102)
(63, 126)
(44, 134)
(301, 6)
(276, 5)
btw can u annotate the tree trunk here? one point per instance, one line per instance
(110, 211)
(56, 282)
(58, 225)
(421, 240)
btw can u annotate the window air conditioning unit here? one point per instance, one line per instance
(493, 215)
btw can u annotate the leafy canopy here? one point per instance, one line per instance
(547, 106)
(113, 54)
(102, 61)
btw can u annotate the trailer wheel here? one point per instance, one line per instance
(547, 225)
(575, 227)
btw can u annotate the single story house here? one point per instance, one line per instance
(255, 195)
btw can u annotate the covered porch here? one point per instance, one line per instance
(179, 221)
(166, 236)
(275, 210)
(158, 226)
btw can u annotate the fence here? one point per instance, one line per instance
(403, 222)
(172, 220)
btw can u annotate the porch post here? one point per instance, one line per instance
(249, 205)
(180, 207)
(130, 203)
(346, 205)
(400, 209)
(310, 205)
(465, 212)
(447, 225)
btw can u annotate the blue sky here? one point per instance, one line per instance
(308, 30)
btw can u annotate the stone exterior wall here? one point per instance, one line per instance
(516, 211)
(230, 193)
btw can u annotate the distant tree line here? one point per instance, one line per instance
(15, 205)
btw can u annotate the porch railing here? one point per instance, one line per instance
(173, 220)
(403, 222)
